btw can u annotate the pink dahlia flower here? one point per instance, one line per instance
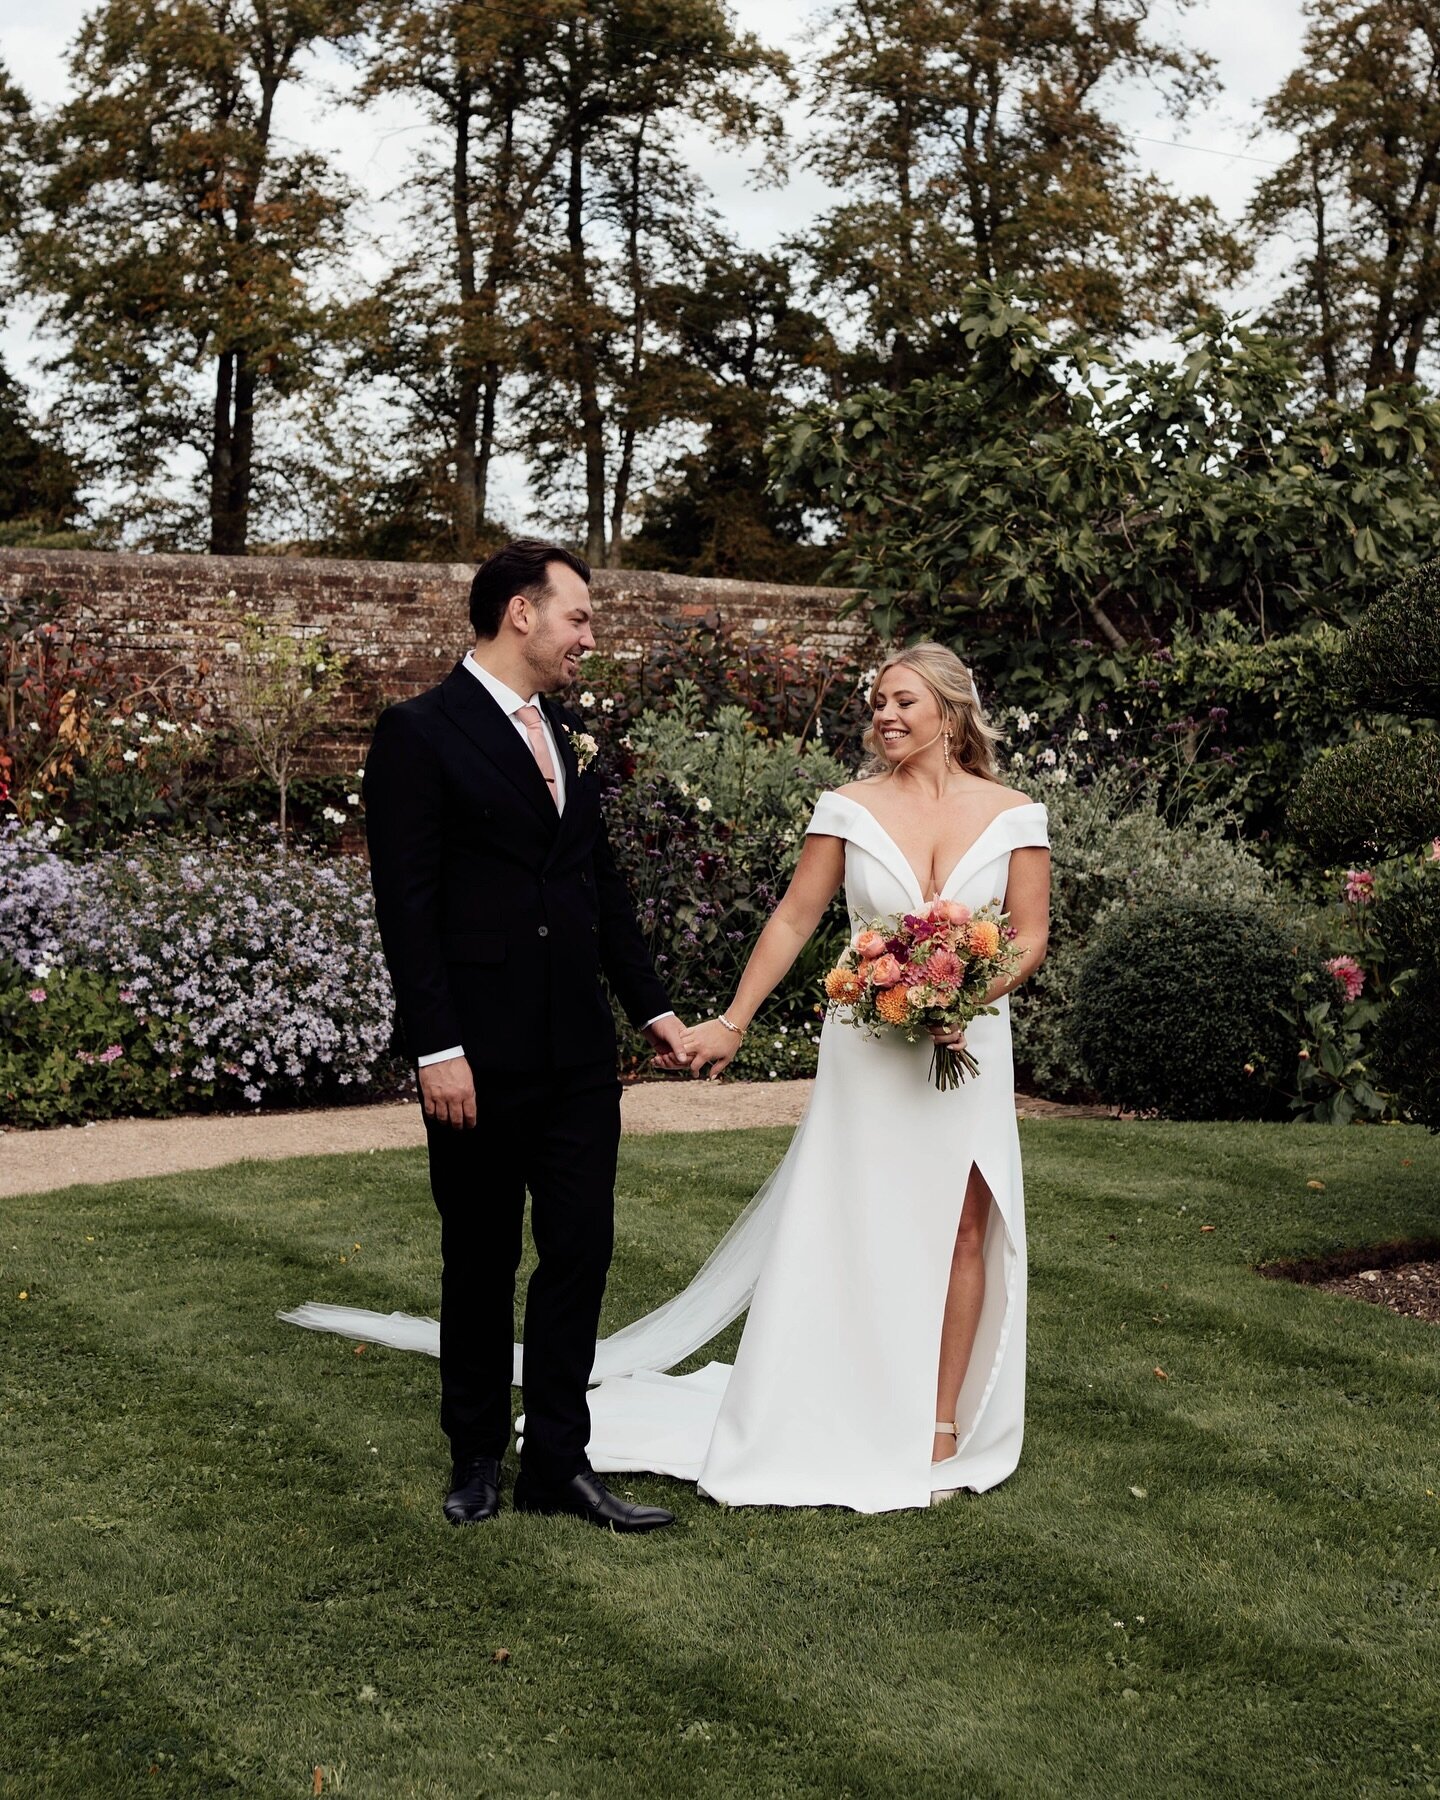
(1349, 974)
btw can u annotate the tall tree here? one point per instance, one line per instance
(625, 77)
(181, 246)
(440, 329)
(971, 142)
(1361, 191)
(741, 352)
(39, 484)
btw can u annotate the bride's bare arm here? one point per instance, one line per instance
(818, 874)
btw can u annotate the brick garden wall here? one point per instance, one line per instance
(400, 625)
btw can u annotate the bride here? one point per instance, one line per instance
(883, 1262)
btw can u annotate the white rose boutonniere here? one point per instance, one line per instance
(584, 746)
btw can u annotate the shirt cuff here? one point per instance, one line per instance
(656, 1020)
(424, 1062)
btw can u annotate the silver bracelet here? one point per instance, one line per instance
(729, 1027)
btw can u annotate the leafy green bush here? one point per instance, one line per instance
(72, 1050)
(1179, 1009)
(707, 829)
(1379, 796)
(1393, 654)
(1407, 1034)
(1110, 849)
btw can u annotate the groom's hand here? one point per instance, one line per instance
(667, 1038)
(447, 1092)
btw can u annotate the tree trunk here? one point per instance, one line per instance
(220, 455)
(467, 375)
(592, 424)
(1331, 374)
(626, 466)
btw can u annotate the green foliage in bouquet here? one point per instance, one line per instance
(1111, 849)
(1180, 1010)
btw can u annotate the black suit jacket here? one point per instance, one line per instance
(498, 915)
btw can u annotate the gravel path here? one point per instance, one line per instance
(126, 1149)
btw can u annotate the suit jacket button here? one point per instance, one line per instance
(544, 931)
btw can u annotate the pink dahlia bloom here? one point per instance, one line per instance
(1349, 974)
(1359, 886)
(944, 967)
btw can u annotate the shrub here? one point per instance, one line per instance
(1407, 1035)
(72, 1050)
(1377, 797)
(1394, 652)
(707, 830)
(1179, 1010)
(261, 968)
(249, 972)
(1110, 849)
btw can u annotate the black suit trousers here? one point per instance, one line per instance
(556, 1134)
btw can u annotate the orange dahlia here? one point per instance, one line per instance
(893, 1005)
(984, 937)
(843, 985)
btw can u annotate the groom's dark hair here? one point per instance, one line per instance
(522, 567)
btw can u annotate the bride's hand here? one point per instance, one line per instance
(952, 1040)
(710, 1043)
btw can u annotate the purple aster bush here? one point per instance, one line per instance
(37, 898)
(254, 968)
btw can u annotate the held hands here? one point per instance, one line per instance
(447, 1093)
(710, 1043)
(952, 1040)
(668, 1036)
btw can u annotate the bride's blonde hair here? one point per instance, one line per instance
(972, 737)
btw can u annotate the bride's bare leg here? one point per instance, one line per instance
(963, 1301)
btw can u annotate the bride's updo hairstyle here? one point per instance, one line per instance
(972, 737)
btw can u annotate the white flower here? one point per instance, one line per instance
(1048, 758)
(334, 815)
(32, 725)
(53, 833)
(132, 756)
(319, 667)
(142, 718)
(166, 725)
(684, 786)
(352, 799)
(607, 704)
(1060, 777)
(1111, 733)
(1082, 737)
(702, 804)
(41, 971)
(587, 700)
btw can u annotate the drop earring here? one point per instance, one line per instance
(947, 749)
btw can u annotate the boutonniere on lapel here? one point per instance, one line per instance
(584, 746)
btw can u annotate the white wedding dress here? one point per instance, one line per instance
(843, 1258)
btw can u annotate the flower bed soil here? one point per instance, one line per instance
(1405, 1276)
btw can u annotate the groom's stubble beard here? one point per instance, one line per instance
(543, 657)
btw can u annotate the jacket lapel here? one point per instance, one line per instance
(577, 795)
(472, 709)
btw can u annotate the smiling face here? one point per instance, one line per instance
(556, 630)
(905, 716)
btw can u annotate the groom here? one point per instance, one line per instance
(500, 908)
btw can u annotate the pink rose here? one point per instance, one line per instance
(870, 944)
(952, 912)
(885, 971)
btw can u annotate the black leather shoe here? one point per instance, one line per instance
(585, 1496)
(474, 1490)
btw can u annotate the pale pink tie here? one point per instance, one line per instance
(529, 717)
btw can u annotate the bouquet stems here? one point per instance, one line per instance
(949, 1067)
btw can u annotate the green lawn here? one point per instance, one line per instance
(222, 1560)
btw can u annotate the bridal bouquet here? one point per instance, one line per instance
(922, 969)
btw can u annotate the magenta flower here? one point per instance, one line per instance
(112, 1053)
(37, 995)
(1349, 974)
(1359, 886)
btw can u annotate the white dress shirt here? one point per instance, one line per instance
(510, 703)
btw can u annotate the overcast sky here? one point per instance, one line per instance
(1215, 152)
